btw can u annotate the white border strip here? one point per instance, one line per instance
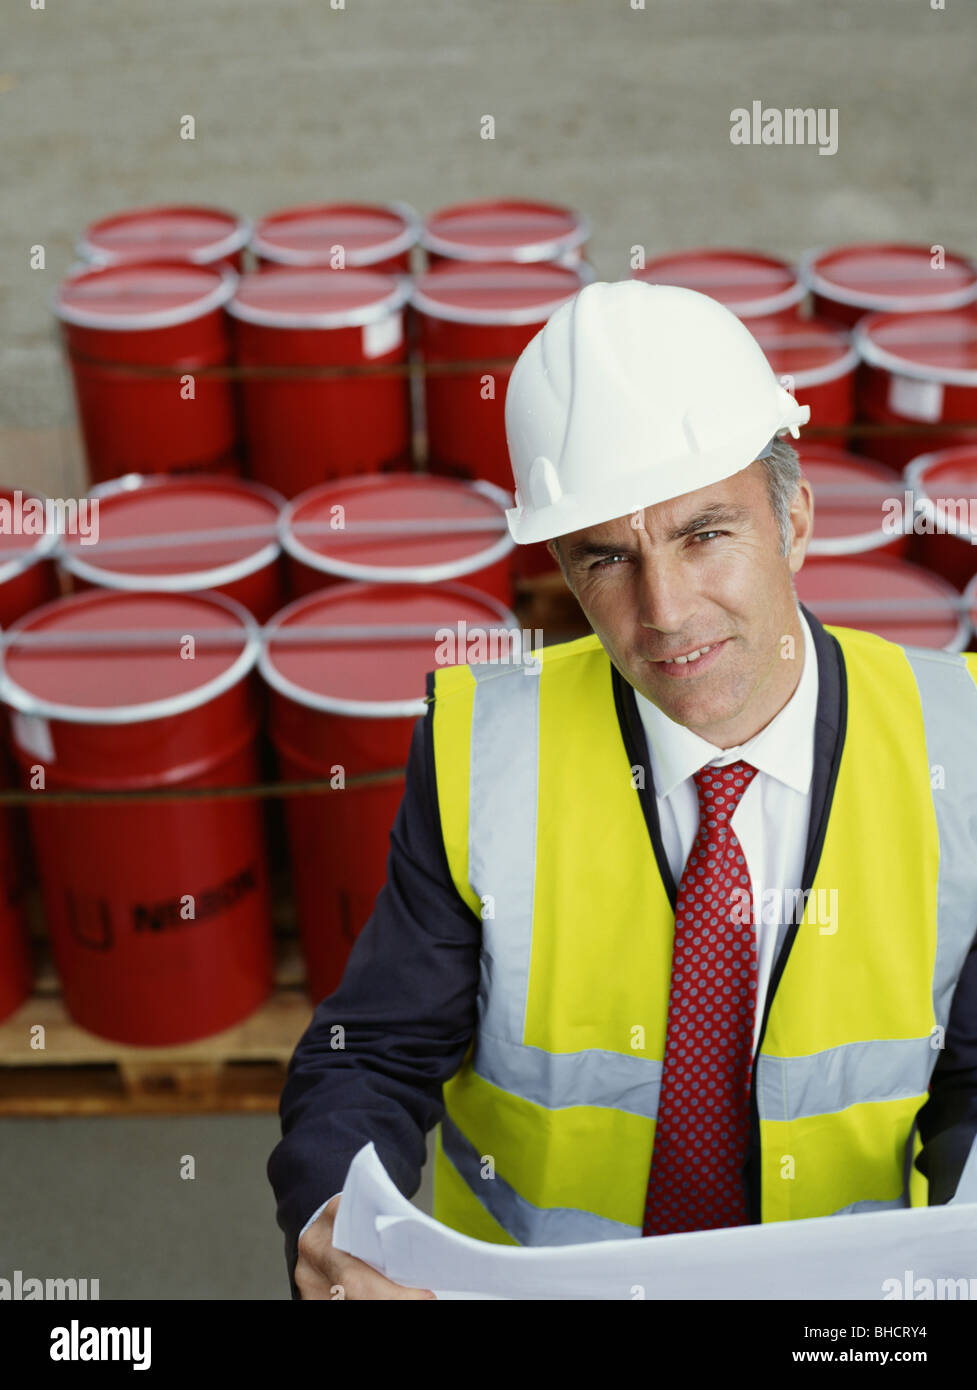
(359, 709)
(20, 699)
(525, 252)
(229, 245)
(350, 318)
(191, 580)
(216, 298)
(360, 259)
(883, 303)
(887, 361)
(401, 574)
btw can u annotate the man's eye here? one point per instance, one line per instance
(699, 535)
(607, 561)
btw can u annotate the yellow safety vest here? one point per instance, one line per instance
(549, 1123)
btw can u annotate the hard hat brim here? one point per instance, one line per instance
(632, 493)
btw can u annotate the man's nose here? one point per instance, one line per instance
(667, 596)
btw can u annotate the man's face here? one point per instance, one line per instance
(703, 569)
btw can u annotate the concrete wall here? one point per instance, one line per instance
(623, 112)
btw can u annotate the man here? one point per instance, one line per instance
(560, 968)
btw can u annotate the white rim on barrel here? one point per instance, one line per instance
(402, 574)
(888, 361)
(524, 314)
(204, 304)
(227, 245)
(894, 303)
(360, 709)
(192, 580)
(532, 251)
(45, 546)
(356, 258)
(20, 699)
(912, 477)
(324, 318)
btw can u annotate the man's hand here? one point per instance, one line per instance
(322, 1272)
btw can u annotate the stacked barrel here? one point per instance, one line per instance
(881, 342)
(296, 442)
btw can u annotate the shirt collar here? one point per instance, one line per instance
(784, 749)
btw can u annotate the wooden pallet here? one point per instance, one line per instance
(77, 1073)
(242, 1069)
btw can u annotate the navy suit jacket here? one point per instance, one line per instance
(407, 999)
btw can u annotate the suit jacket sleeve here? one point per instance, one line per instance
(948, 1120)
(407, 1004)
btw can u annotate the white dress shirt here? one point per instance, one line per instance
(771, 820)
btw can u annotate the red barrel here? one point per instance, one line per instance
(15, 958)
(900, 601)
(918, 370)
(853, 505)
(201, 235)
(485, 315)
(28, 541)
(849, 281)
(343, 704)
(303, 428)
(944, 489)
(150, 315)
(506, 229)
(339, 236)
(157, 912)
(751, 285)
(177, 535)
(408, 528)
(817, 364)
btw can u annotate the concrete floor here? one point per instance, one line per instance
(103, 1199)
(622, 112)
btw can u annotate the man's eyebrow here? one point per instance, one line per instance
(721, 514)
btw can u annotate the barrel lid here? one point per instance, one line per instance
(371, 646)
(496, 292)
(142, 294)
(942, 476)
(889, 276)
(21, 547)
(504, 229)
(174, 534)
(197, 234)
(108, 657)
(398, 527)
(315, 297)
(931, 347)
(368, 233)
(899, 601)
(850, 494)
(809, 350)
(750, 284)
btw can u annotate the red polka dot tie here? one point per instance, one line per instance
(703, 1123)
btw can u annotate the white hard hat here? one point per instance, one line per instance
(630, 394)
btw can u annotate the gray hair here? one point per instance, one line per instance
(783, 476)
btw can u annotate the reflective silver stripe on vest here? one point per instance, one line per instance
(793, 1087)
(856, 1208)
(949, 699)
(526, 1223)
(556, 1079)
(502, 838)
(790, 1088)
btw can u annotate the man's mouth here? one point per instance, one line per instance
(691, 658)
